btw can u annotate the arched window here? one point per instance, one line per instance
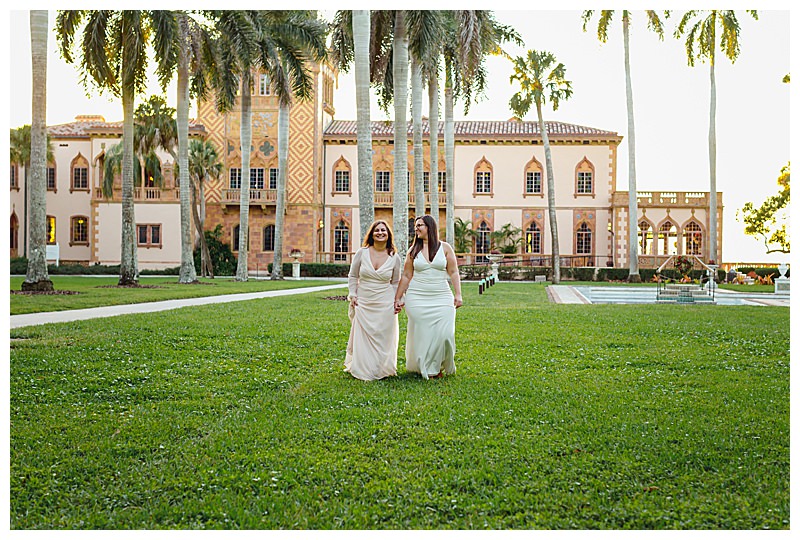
(79, 230)
(483, 178)
(269, 238)
(14, 235)
(482, 242)
(341, 241)
(533, 178)
(645, 238)
(667, 239)
(80, 174)
(584, 178)
(533, 238)
(341, 176)
(583, 240)
(692, 239)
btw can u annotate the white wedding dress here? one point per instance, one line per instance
(374, 332)
(431, 339)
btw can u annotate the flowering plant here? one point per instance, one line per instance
(683, 264)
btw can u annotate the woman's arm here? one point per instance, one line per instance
(455, 277)
(352, 278)
(405, 279)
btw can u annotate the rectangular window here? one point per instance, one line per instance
(483, 182)
(263, 85)
(584, 182)
(533, 182)
(51, 178)
(442, 181)
(14, 181)
(426, 181)
(583, 241)
(273, 178)
(80, 178)
(235, 178)
(382, 181)
(257, 178)
(80, 230)
(148, 235)
(342, 181)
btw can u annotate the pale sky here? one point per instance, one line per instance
(671, 100)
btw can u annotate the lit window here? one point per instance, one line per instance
(51, 230)
(533, 239)
(80, 230)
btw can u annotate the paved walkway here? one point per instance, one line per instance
(31, 319)
(565, 294)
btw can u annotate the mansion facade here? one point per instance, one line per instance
(499, 179)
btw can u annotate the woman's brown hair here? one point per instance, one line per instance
(433, 238)
(369, 239)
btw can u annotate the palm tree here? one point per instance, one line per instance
(470, 36)
(700, 29)
(277, 42)
(540, 80)
(350, 42)
(20, 154)
(36, 278)
(400, 99)
(204, 163)
(113, 56)
(654, 23)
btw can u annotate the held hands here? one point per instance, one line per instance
(457, 301)
(398, 306)
(354, 301)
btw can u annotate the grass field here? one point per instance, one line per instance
(239, 416)
(100, 291)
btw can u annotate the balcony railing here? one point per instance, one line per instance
(143, 194)
(257, 196)
(386, 198)
(668, 198)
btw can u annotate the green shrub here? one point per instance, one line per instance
(223, 261)
(315, 269)
(19, 265)
(762, 272)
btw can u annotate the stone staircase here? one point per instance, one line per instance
(680, 293)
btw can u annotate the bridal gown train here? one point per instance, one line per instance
(430, 339)
(374, 332)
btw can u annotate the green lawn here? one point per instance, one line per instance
(560, 416)
(99, 291)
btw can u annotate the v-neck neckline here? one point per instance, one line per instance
(372, 265)
(422, 252)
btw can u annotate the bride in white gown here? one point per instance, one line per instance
(429, 302)
(372, 281)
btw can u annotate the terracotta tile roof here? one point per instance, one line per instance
(85, 126)
(478, 128)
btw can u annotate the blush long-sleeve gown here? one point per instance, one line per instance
(374, 331)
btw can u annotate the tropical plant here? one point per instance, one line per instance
(36, 278)
(20, 154)
(204, 163)
(542, 80)
(770, 220)
(700, 29)
(655, 24)
(506, 239)
(114, 57)
(462, 235)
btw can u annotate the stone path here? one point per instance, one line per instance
(31, 319)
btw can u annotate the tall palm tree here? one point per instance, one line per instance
(36, 278)
(542, 80)
(20, 154)
(700, 29)
(350, 43)
(204, 163)
(654, 23)
(113, 56)
(400, 99)
(266, 40)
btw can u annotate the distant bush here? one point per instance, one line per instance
(223, 261)
(315, 269)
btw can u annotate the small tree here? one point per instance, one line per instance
(769, 221)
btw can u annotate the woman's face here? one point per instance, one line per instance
(380, 233)
(421, 229)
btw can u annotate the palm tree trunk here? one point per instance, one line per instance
(633, 244)
(36, 277)
(205, 270)
(400, 77)
(245, 136)
(712, 164)
(283, 173)
(551, 199)
(449, 160)
(416, 118)
(187, 271)
(433, 128)
(366, 198)
(128, 266)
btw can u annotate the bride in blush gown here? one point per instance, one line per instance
(372, 281)
(429, 302)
